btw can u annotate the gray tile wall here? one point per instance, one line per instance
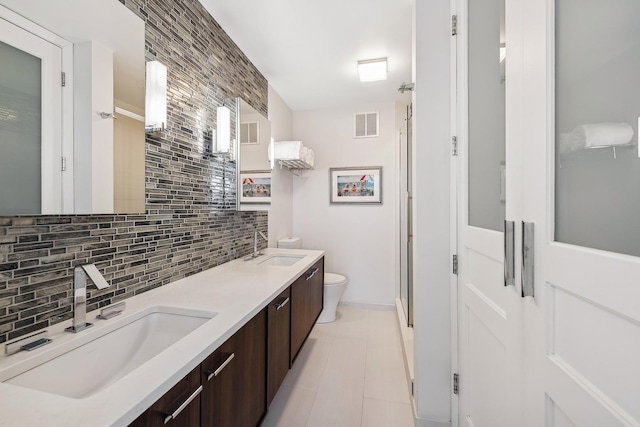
(189, 224)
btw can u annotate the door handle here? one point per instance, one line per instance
(509, 261)
(527, 259)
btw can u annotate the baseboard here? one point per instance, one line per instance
(369, 306)
(423, 422)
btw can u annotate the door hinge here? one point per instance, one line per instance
(455, 264)
(454, 25)
(63, 79)
(63, 165)
(454, 145)
(412, 388)
(456, 381)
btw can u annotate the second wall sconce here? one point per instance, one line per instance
(156, 97)
(223, 134)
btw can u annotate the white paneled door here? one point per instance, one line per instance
(553, 144)
(489, 312)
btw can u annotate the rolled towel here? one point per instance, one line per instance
(595, 135)
(287, 149)
(604, 134)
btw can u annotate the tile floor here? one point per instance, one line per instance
(349, 373)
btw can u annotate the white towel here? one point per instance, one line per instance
(287, 149)
(596, 135)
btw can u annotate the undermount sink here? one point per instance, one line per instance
(282, 260)
(94, 366)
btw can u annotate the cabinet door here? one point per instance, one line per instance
(307, 294)
(179, 407)
(278, 330)
(234, 378)
(299, 323)
(315, 284)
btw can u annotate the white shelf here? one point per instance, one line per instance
(294, 164)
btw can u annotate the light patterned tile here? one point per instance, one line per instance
(346, 358)
(290, 407)
(338, 403)
(382, 413)
(351, 322)
(308, 367)
(383, 328)
(385, 375)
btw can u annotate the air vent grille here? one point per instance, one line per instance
(366, 125)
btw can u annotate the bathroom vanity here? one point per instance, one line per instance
(229, 365)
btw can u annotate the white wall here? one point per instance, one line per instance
(281, 212)
(432, 216)
(360, 240)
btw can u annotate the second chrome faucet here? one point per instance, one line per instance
(256, 254)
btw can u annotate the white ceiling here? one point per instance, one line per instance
(308, 50)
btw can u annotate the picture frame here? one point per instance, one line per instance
(256, 187)
(355, 185)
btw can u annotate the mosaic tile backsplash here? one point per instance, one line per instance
(189, 224)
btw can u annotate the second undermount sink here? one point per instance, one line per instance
(94, 366)
(284, 260)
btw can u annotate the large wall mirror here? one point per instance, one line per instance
(254, 180)
(72, 145)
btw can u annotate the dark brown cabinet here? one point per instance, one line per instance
(306, 305)
(278, 342)
(234, 378)
(234, 385)
(179, 407)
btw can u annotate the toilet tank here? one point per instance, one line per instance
(290, 243)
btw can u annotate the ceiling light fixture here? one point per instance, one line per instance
(371, 70)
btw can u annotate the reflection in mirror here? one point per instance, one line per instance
(255, 168)
(86, 149)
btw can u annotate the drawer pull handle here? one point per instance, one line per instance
(282, 304)
(175, 413)
(313, 273)
(221, 367)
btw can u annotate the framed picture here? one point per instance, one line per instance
(256, 187)
(359, 185)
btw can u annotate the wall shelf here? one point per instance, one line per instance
(294, 164)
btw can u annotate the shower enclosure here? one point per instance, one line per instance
(406, 234)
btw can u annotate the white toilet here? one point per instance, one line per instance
(334, 284)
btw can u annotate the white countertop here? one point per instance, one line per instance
(236, 290)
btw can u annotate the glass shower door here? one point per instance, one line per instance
(406, 234)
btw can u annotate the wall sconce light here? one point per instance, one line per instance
(372, 70)
(155, 97)
(223, 134)
(503, 52)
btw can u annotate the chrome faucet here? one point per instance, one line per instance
(255, 242)
(256, 254)
(80, 274)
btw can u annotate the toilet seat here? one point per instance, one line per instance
(332, 279)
